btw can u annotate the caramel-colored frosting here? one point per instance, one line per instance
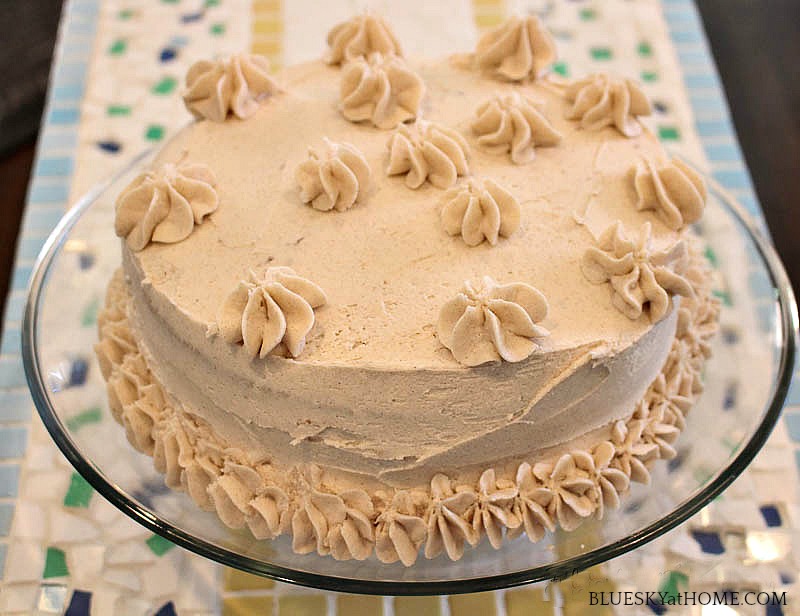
(489, 321)
(519, 49)
(233, 86)
(333, 179)
(427, 151)
(602, 100)
(359, 37)
(165, 204)
(641, 276)
(480, 210)
(382, 89)
(515, 124)
(675, 191)
(271, 312)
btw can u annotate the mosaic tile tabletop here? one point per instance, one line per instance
(115, 90)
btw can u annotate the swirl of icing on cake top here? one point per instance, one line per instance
(641, 277)
(164, 205)
(270, 313)
(601, 100)
(675, 191)
(359, 37)
(520, 48)
(334, 179)
(513, 123)
(381, 89)
(427, 151)
(480, 211)
(490, 322)
(234, 86)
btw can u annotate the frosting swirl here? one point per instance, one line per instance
(269, 314)
(532, 503)
(491, 322)
(520, 48)
(359, 37)
(675, 191)
(480, 211)
(601, 100)
(495, 507)
(381, 89)
(234, 86)
(335, 179)
(399, 530)
(642, 278)
(571, 488)
(164, 205)
(513, 123)
(427, 151)
(448, 529)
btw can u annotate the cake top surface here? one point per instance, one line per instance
(387, 264)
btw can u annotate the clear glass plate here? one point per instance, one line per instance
(746, 383)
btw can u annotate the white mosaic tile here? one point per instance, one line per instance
(29, 521)
(45, 486)
(130, 553)
(160, 580)
(122, 577)
(131, 606)
(18, 598)
(123, 529)
(70, 528)
(25, 561)
(85, 562)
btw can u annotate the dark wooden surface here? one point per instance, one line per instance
(756, 46)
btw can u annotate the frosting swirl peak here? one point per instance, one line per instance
(335, 179)
(381, 89)
(427, 151)
(520, 48)
(271, 313)
(675, 191)
(234, 86)
(492, 321)
(513, 123)
(601, 100)
(480, 210)
(359, 37)
(164, 205)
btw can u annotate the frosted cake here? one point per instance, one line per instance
(390, 305)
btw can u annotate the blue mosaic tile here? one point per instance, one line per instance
(722, 152)
(60, 139)
(787, 577)
(773, 610)
(13, 442)
(41, 219)
(6, 515)
(64, 115)
(12, 373)
(771, 515)
(3, 551)
(15, 405)
(693, 57)
(656, 608)
(68, 92)
(53, 166)
(168, 609)
(687, 36)
(74, 72)
(733, 179)
(729, 335)
(50, 192)
(86, 260)
(167, 54)
(713, 128)
(20, 277)
(179, 41)
(9, 480)
(15, 304)
(78, 371)
(188, 18)
(11, 341)
(792, 418)
(710, 542)
(29, 247)
(110, 146)
(731, 394)
(80, 604)
(80, 27)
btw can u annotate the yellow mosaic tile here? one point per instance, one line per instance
(417, 606)
(527, 602)
(302, 605)
(359, 605)
(247, 606)
(269, 25)
(266, 6)
(482, 603)
(233, 579)
(267, 47)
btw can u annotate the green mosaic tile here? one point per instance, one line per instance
(561, 68)
(601, 53)
(649, 76)
(89, 314)
(158, 545)
(644, 49)
(669, 133)
(587, 14)
(165, 86)
(118, 110)
(217, 29)
(118, 47)
(170, 1)
(210, 3)
(723, 296)
(79, 492)
(154, 132)
(711, 256)
(673, 583)
(126, 14)
(55, 564)
(89, 416)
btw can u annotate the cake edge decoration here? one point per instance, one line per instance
(518, 49)
(675, 191)
(358, 37)
(600, 100)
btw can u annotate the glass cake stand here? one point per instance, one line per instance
(746, 383)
